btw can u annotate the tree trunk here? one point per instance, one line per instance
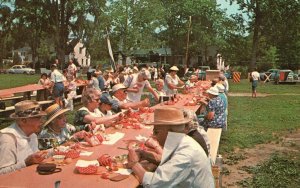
(255, 40)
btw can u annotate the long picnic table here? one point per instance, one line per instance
(6, 93)
(28, 177)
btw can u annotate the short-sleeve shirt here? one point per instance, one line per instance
(72, 70)
(48, 133)
(132, 81)
(56, 76)
(255, 75)
(217, 106)
(79, 117)
(170, 80)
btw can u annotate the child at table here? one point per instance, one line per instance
(71, 92)
(42, 95)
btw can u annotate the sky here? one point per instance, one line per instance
(231, 9)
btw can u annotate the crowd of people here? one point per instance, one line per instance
(180, 147)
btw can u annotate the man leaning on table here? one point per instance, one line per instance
(183, 163)
(19, 144)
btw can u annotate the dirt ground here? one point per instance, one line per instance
(254, 156)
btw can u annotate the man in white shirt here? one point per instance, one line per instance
(119, 95)
(255, 77)
(57, 80)
(19, 144)
(135, 85)
(72, 69)
(183, 162)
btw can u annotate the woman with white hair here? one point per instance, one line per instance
(89, 115)
(172, 81)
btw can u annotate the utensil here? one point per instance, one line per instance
(57, 184)
(122, 148)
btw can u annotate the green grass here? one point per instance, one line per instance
(268, 88)
(15, 80)
(263, 119)
(280, 171)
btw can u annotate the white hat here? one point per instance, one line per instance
(213, 91)
(117, 87)
(174, 68)
(220, 87)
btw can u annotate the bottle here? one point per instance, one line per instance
(219, 163)
(161, 100)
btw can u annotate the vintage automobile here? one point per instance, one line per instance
(272, 76)
(20, 69)
(285, 76)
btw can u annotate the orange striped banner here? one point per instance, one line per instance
(236, 76)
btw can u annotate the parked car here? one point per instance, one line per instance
(20, 69)
(228, 75)
(272, 71)
(287, 76)
(202, 72)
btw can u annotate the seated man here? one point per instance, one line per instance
(19, 144)
(183, 163)
(119, 94)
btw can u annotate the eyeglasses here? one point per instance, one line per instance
(97, 100)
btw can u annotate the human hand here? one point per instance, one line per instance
(35, 158)
(153, 144)
(133, 157)
(151, 156)
(80, 135)
(146, 102)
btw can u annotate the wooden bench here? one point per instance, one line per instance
(9, 109)
(214, 136)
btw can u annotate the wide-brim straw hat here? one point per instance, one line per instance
(53, 111)
(174, 68)
(169, 116)
(117, 87)
(213, 91)
(27, 109)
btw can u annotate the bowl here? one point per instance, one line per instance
(58, 158)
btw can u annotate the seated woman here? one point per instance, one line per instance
(42, 95)
(172, 81)
(159, 90)
(87, 117)
(57, 128)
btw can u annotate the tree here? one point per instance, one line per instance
(5, 29)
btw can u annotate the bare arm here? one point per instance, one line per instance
(154, 93)
(135, 105)
(100, 120)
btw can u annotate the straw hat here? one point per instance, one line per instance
(169, 116)
(27, 109)
(213, 91)
(53, 111)
(117, 87)
(174, 68)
